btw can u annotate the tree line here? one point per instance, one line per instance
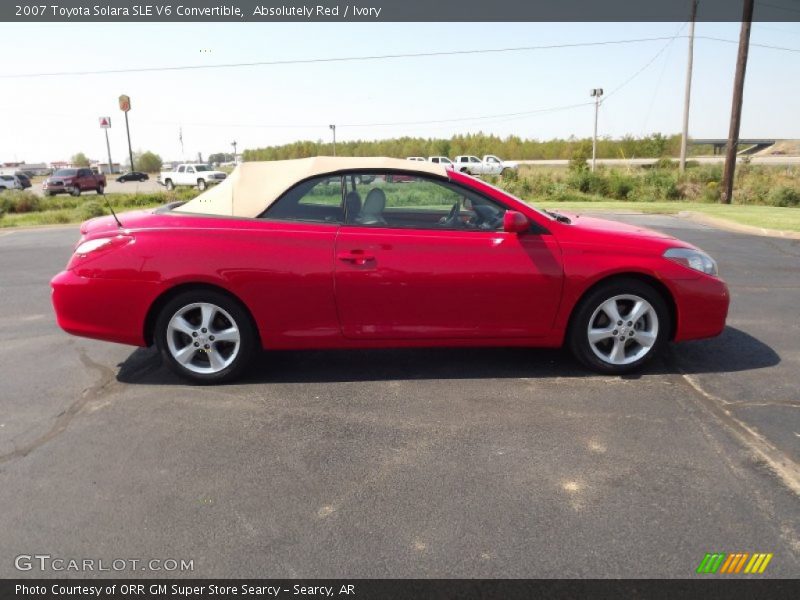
(511, 147)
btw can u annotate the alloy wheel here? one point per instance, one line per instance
(203, 338)
(623, 329)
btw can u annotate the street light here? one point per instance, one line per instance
(596, 93)
(233, 143)
(333, 129)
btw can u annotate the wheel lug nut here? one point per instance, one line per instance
(204, 330)
(630, 323)
(622, 338)
(619, 322)
(615, 332)
(632, 333)
(197, 343)
(211, 337)
(207, 346)
(194, 334)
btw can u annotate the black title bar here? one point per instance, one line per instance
(397, 589)
(390, 10)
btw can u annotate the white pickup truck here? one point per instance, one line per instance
(490, 165)
(191, 174)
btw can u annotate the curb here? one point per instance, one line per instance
(737, 227)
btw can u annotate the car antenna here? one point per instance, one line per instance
(113, 214)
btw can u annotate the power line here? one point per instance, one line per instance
(334, 59)
(648, 63)
(768, 46)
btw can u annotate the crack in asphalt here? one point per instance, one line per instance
(105, 384)
(787, 470)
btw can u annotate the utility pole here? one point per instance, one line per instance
(233, 143)
(125, 106)
(108, 149)
(596, 94)
(333, 129)
(736, 108)
(688, 94)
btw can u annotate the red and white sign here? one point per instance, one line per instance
(105, 122)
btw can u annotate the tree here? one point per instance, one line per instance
(148, 162)
(220, 157)
(79, 160)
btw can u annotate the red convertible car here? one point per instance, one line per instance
(344, 253)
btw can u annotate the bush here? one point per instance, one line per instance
(16, 201)
(784, 196)
(620, 186)
(91, 210)
(589, 183)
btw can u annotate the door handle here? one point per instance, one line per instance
(356, 257)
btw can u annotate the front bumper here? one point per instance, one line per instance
(702, 307)
(113, 310)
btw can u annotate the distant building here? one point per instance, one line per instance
(103, 168)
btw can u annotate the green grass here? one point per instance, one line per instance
(770, 217)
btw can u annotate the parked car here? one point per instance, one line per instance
(416, 158)
(274, 258)
(74, 181)
(441, 160)
(24, 180)
(10, 182)
(133, 176)
(489, 165)
(193, 174)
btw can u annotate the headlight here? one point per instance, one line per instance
(92, 245)
(694, 259)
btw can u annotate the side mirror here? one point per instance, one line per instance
(515, 222)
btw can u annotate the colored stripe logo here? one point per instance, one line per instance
(735, 563)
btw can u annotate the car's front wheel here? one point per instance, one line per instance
(201, 185)
(170, 185)
(619, 326)
(205, 336)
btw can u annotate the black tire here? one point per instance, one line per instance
(169, 184)
(248, 340)
(75, 191)
(51, 194)
(202, 185)
(578, 334)
(100, 190)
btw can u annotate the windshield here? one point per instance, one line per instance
(202, 168)
(538, 210)
(66, 172)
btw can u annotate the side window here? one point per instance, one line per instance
(181, 169)
(401, 200)
(317, 200)
(190, 169)
(474, 159)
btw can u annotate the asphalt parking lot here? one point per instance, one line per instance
(412, 463)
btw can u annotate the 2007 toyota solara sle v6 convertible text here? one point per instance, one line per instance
(376, 253)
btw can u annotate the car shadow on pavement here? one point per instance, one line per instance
(734, 350)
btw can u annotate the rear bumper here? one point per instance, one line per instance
(113, 310)
(702, 307)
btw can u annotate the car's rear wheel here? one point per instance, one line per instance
(619, 326)
(205, 336)
(170, 185)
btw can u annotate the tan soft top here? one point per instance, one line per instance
(253, 186)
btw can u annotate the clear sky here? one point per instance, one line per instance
(51, 118)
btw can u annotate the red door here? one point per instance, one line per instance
(429, 284)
